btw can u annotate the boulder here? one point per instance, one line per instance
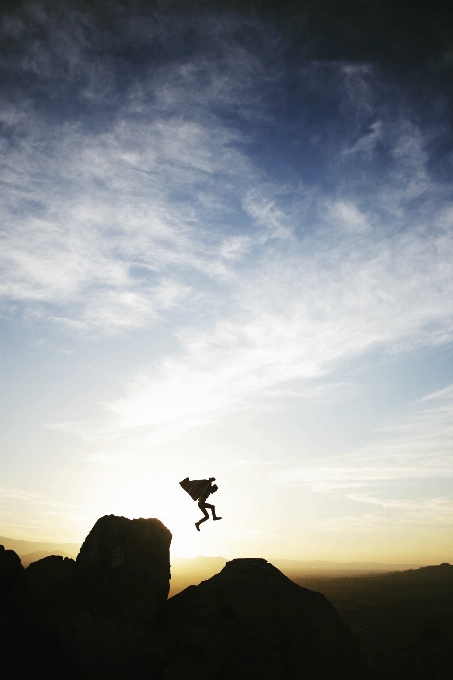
(10, 567)
(50, 579)
(122, 581)
(12, 595)
(251, 622)
(124, 568)
(11, 582)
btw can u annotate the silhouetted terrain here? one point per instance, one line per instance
(403, 621)
(105, 616)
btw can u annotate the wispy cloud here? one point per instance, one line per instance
(418, 448)
(423, 515)
(295, 317)
(115, 224)
(246, 463)
(165, 209)
(427, 509)
(34, 515)
(103, 250)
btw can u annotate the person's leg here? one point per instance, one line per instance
(214, 516)
(203, 519)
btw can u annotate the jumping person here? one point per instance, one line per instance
(200, 490)
(207, 491)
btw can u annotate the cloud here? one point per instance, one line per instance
(367, 143)
(105, 211)
(418, 448)
(165, 176)
(446, 393)
(163, 208)
(428, 509)
(156, 183)
(347, 217)
(243, 463)
(264, 210)
(295, 318)
(33, 514)
(431, 516)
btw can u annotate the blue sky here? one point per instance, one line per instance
(226, 251)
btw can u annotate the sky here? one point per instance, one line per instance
(227, 239)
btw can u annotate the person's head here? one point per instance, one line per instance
(214, 488)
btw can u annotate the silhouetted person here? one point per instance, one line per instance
(200, 490)
(207, 491)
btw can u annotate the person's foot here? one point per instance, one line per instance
(198, 526)
(215, 518)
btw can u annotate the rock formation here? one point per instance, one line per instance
(11, 570)
(49, 580)
(105, 616)
(251, 622)
(122, 573)
(98, 613)
(126, 564)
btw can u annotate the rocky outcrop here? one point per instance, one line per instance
(251, 622)
(105, 616)
(50, 580)
(97, 613)
(122, 579)
(11, 578)
(124, 565)
(25, 646)
(11, 571)
(10, 566)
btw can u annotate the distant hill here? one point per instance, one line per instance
(200, 563)
(23, 548)
(38, 555)
(191, 571)
(324, 566)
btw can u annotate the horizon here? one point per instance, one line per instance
(76, 549)
(227, 253)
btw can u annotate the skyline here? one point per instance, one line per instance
(227, 252)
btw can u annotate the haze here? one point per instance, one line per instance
(226, 251)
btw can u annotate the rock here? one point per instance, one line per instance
(94, 618)
(11, 581)
(11, 592)
(251, 622)
(10, 568)
(25, 645)
(124, 566)
(108, 648)
(122, 581)
(105, 616)
(50, 579)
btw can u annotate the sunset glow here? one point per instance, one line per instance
(227, 251)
